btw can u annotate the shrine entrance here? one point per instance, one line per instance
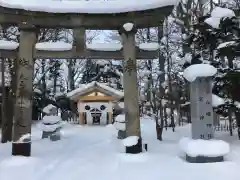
(96, 115)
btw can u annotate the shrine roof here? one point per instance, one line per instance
(94, 86)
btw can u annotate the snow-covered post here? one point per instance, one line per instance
(200, 76)
(131, 105)
(23, 107)
(199, 149)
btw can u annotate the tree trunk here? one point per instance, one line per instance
(3, 112)
(165, 117)
(237, 114)
(230, 121)
(23, 106)
(159, 128)
(71, 84)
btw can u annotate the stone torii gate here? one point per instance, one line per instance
(29, 23)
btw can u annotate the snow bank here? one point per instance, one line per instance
(217, 101)
(8, 45)
(199, 70)
(136, 158)
(51, 119)
(104, 46)
(17, 161)
(130, 141)
(149, 46)
(207, 148)
(93, 7)
(53, 46)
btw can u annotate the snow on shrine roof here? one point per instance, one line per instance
(83, 6)
(85, 88)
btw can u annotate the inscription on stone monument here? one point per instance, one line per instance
(201, 109)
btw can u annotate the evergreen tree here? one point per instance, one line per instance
(103, 71)
(216, 37)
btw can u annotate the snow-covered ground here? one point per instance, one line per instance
(93, 153)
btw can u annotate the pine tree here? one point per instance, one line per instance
(217, 42)
(103, 71)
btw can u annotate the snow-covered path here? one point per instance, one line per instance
(93, 153)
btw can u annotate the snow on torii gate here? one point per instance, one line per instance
(78, 15)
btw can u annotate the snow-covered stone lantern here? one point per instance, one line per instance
(120, 125)
(51, 123)
(196, 149)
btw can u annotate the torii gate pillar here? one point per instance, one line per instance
(131, 103)
(23, 108)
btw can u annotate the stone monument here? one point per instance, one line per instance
(201, 108)
(200, 77)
